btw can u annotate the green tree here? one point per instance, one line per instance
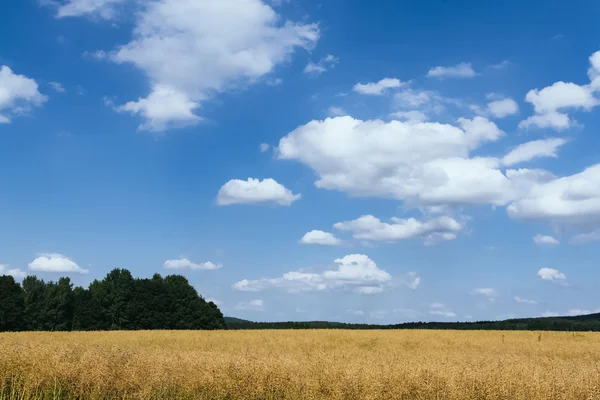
(11, 304)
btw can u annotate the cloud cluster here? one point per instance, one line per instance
(14, 272)
(355, 271)
(377, 88)
(18, 94)
(320, 237)
(174, 39)
(323, 65)
(551, 274)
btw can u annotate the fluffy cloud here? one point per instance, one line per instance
(14, 272)
(423, 163)
(462, 70)
(252, 305)
(184, 263)
(503, 108)
(255, 191)
(550, 274)
(487, 292)
(377, 88)
(534, 149)
(53, 262)
(323, 65)
(570, 200)
(368, 227)
(17, 94)
(173, 39)
(525, 301)
(545, 240)
(320, 237)
(550, 102)
(75, 8)
(352, 272)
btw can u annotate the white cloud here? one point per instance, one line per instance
(572, 200)
(217, 302)
(173, 39)
(320, 237)
(487, 292)
(255, 191)
(76, 8)
(550, 102)
(336, 111)
(503, 108)
(501, 65)
(377, 88)
(53, 262)
(588, 237)
(534, 149)
(545, 240)
(426, 164)
(184, 263)
(57, 87)
(355, 312)
(410, 116)
(369, 289)
(440, 309)
(252, 305)
(525, 301)
(264, 147)
(17, 94)
(462, 70)
(352, 272)
(368, 227)
(323, 65)
(547, 314)
(550, 274)
(14, 272)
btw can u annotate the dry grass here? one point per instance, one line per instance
(325, 364)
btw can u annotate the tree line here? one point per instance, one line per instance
(578, 323)
(117, 302)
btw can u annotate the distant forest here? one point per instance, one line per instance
(579, 323)
(117, 302)
(121, 302)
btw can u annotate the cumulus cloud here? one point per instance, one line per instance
(503, 108)
(254, 191)
(323, 65)
(550, 274)
(352, 272)
(252, 305)
(54, 262)
(551, 102)
(525, 301)
(377, 88)
(545, 240)
(320, 237)
(534, 149)
(184, 263)
(462, 70)
(18, 94)
(426, 163)
(14, 272)
(368, 227)
(173, 39)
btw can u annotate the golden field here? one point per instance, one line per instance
(315, 364)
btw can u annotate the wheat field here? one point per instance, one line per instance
(315, 364)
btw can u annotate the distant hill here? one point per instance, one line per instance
(590, 322)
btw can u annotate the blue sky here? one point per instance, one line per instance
(297, 159)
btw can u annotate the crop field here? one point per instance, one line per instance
(315, 364)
